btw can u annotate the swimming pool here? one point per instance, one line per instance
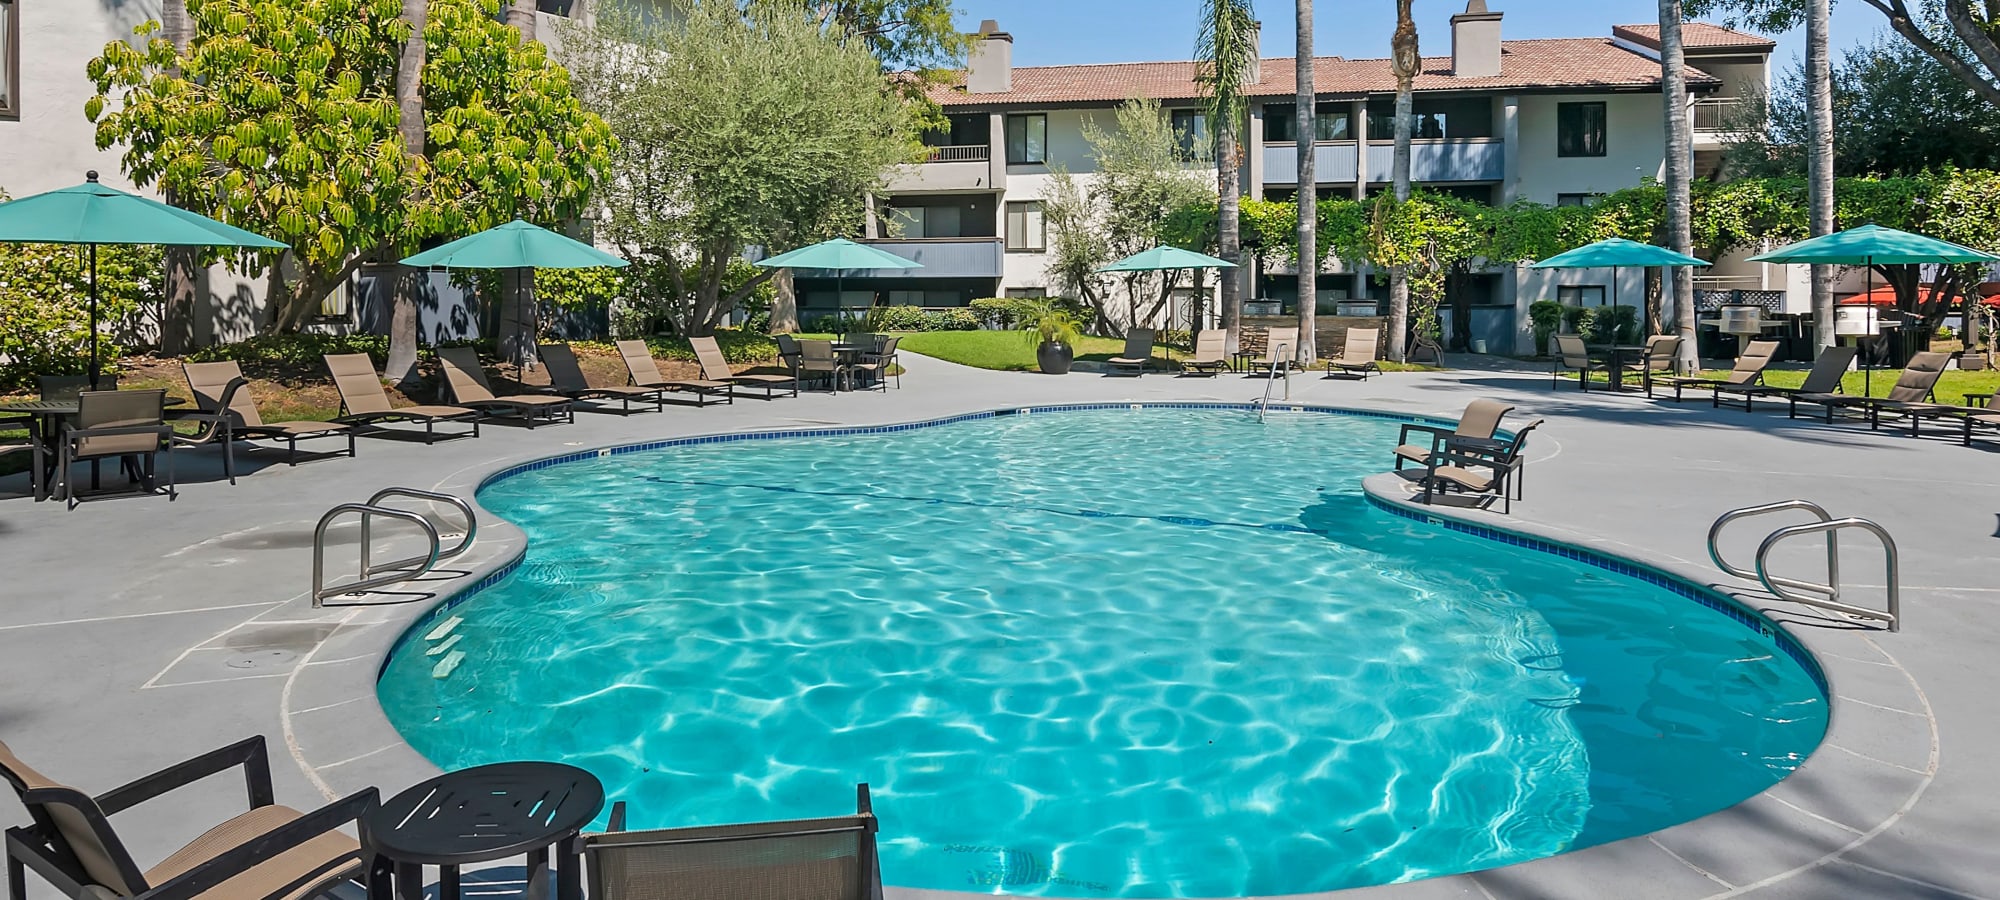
(1139, 653)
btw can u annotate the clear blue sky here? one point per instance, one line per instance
(1056, 32)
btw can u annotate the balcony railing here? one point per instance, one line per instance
(1728, 283)
(966, 153)
(1718, 113)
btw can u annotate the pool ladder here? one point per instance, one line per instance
(373, 574)
(1264, 405)
(1808, 593)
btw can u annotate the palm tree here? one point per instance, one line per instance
(1406, 62)
(1819, 162)
(1226, 54)
(1680, 166)
(410, 124)
(177, 314)
(521, 17)
(1306, 109)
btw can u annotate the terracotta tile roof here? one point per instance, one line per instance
(1696, 36)
(1581, 64)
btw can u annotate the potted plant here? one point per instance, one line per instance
(1053, 334)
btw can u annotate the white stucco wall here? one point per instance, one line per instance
(1635, 136)
(52, 145)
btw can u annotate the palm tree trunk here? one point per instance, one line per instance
(1819, 162)
(1306, 108)
(1407, 61)
(1680, 175)
(183, 263)
(403, 289)
(521, 17)
(1229, 226)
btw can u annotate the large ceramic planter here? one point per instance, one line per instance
(1055, 357)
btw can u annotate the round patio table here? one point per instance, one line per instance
(478, 815)
(1615, 355)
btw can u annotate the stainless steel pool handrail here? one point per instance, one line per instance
(368, 580)
(1264, 405)
(1893, 615)
(465, 540)
(1832, 546)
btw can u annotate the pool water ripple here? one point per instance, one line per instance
(1109, 653)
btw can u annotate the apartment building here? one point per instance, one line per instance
(1554, 121)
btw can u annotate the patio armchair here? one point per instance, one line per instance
(644, 372)
(1210, 356)
(788, 353)
(566, 379)
(228, 414)
(1572, 355)
(1278, 341)
(365, 404)
(1662, 352)
(1473, 434)
(1358, 350)
(30, 443)
(1912, 389)
(129, 426)
(876, 366)
(817, 358)
(1748, 370)
(803, 859)
(466, 380)
(1450, 471)
(66, 387)
(1138, 352)
(1825, 377)
(270, 851)
(715, 367)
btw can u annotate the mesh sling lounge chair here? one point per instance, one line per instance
(129, 426)
(644, 372)
(875, 366)
(715, 367)
(1137, 353)
(1278, 340)
(1661, 351)
(1448, 470)
(1573, 355)
(1473, 434)
(1210, 357)
(1915, 411)
(1827, 372)
(270, 851)
(363, 402)
(1749, 369)
(230, 414)
(1357, 355)
(566, 379)
(803, 859)
(467, 381)
(788, 354)
(30, 443)
(1912, 389)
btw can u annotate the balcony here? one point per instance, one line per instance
(961, 167)
(1719, 114)
(973, 153)
(965, 257)
(1463, 159)
(1333, 163)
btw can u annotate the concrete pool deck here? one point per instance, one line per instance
(136, 632)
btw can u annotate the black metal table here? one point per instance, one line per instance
(479, 815)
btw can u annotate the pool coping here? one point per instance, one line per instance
(1675, 854)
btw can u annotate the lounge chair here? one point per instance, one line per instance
(1474, 432)
(363, 402)
(1915, 407)
(644, 372)
(1662, 351)
(788, 354)
(223, 397)
(1572, 355)
(714, 367)
(467, 380)
(566, 379)
(819, 358)
(270, 851)
(1912, 388)
(1357, 355)
(129, 426)
(803, 859)
(1138, 352)
(1448, 470)
(875, 367)
(1278, 340)
(1749, 369)
(1825, 377)
(1210, 358)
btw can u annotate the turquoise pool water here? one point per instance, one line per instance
(1159, 653)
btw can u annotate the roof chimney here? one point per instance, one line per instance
(1255, 73)
(1475, 42)
(989, 68)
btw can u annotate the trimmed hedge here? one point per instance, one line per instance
(294, 351)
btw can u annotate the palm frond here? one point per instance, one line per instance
(1225, 50)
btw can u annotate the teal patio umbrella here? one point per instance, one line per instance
(1870, 246)
(91, 214)
(520, 246)
(838, 256)
(1617, 253)
(1164, 259)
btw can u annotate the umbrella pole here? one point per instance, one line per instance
(95, 366)
(1874, 320)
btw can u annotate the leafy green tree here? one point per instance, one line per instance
(736, 129)
(1078, 241)
(1226, 53)
(1142, 177)
(45, 328)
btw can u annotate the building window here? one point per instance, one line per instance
(1027, 139)
(1330, 123)
(1577, 199)
(1191, 131)
(10, 59)
(1580, 129)
(1025, 230)
(1581, 295)
(1027, 293)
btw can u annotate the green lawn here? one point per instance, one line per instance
(1952, 386)
(1006, 351)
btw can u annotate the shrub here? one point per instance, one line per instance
(291, 353)
(1009, 313)
(45, 319)
(911, 318)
